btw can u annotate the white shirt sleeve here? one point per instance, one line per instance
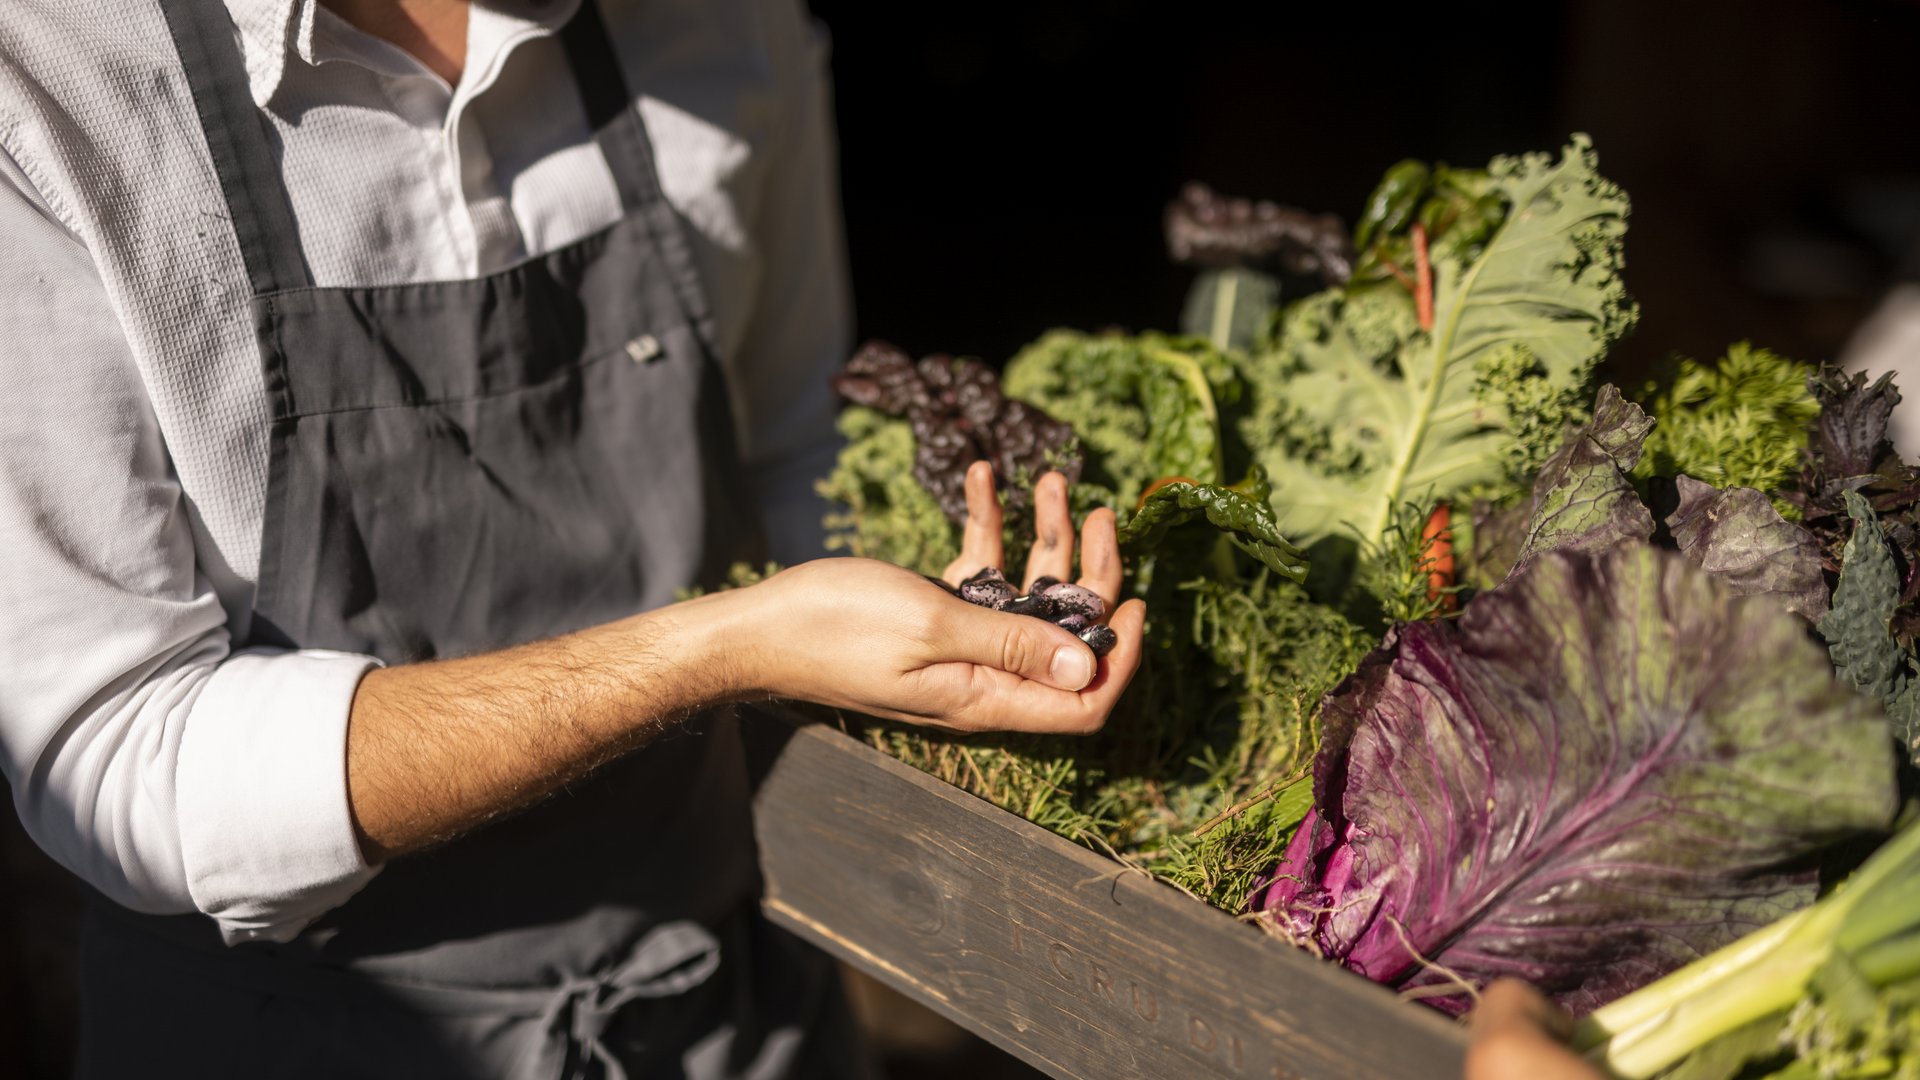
(802, 314)
(170, 775)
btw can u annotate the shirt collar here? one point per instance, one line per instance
(269, 30)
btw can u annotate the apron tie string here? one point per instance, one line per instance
(671, 960)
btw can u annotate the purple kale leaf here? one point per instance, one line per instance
(1848, 450)
(1737, 536)
(1605, 768)
(1208, 229)
(959, 416)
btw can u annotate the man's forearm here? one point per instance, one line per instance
(435, 749)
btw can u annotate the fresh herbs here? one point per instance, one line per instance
(1739, 423)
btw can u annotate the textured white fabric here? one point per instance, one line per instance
(171, 775)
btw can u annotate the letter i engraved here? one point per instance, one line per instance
(1151, 1011)
(1235, 1054)
(1015, 923)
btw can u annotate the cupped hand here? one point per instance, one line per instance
(872, 637)
(1519, 1035)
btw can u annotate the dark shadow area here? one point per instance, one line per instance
(1006, 163)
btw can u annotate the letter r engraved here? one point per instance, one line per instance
(1101, 981)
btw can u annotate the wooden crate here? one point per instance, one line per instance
(1062, 957)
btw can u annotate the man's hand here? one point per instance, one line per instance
(868, 636)
(1519, 1035)
(435, 749)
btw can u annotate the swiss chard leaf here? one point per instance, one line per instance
(1582, 500)
(1737, 536)
(1243, 515)
(1605, 768)
(1366, 410)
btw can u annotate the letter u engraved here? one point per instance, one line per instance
(1152, 1011)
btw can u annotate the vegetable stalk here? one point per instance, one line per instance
(1872, 922)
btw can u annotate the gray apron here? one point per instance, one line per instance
(456, 467)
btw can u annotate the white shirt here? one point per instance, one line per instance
(171, 773)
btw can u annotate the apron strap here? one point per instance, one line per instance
(614, 114)
(262, 219)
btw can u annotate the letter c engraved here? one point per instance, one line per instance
(1195, 1027)
(1055, 951)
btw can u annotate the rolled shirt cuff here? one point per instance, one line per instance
(266, 834)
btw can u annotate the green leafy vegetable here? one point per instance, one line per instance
(1145, 407)
(1360, 410)
(1739, 423)
(1838, 983)
(1243, 516)
(881, 511)
(1858, 628)
(1582, 500)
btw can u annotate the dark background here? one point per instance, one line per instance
(1005, 166)
(1006, 161)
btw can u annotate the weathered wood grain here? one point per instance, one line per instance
(1074, 964)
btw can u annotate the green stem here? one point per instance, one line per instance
(1226, 292)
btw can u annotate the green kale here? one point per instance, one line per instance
(881, 511)
(1358, 408)
(1739, 423)
(1144, 408)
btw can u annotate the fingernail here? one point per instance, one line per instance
(1072, 667)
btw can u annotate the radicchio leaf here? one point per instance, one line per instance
(1605, 768)
(1582, 500)
(1737, 536)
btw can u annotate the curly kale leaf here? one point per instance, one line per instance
(1144, 408)
(881, 511)
(1739, 423)
(1359, 410)
(1243, 515)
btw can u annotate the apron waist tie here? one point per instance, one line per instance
(571, 1018)
(672, 959)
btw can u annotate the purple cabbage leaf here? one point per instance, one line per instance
(1607, 767)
